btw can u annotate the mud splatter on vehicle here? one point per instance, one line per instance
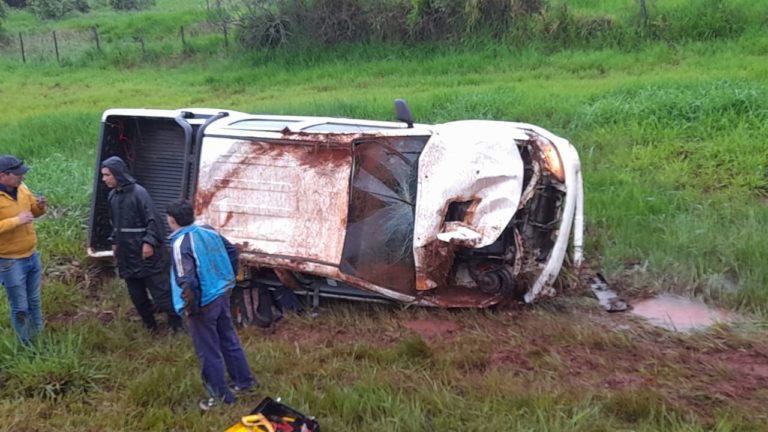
(462, 214)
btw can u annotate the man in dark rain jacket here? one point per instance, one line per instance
(137, 238)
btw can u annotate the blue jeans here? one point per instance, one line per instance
(21, 280)
(217, 347)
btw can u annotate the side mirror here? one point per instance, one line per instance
(403, 113)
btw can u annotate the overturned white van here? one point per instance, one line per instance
(462, 214)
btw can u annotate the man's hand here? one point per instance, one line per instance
(26, 217)
(189, 297)
(191, 306)
(42, 202)
(147, 250)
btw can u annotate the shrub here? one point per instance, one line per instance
(57, 9)
(131, 4)
(436, 19)
(497, 17)
(3, 14)
(389, 20)
(277, 23)
(18, 4)
(261, 26)
(336, 21)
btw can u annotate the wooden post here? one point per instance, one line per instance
(21, 43)
(141, 39)
(644, 12)
(96, 38)
(56, 47)
(222, 20)
(183, 41)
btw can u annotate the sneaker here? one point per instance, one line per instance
(237, 389)
(207, 404)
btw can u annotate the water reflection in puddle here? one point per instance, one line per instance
(679, 313)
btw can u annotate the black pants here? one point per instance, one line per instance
(159, 287)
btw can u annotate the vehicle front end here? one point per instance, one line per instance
(497, 205)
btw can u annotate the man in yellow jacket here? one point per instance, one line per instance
(20, 269)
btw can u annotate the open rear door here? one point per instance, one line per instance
(161, 149)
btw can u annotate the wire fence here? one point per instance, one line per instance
(69, 44)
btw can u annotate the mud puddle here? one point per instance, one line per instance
(679, 313)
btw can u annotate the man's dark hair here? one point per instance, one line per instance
(182, 211)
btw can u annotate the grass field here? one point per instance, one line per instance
(671, 137)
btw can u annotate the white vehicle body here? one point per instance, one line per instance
(466, 213)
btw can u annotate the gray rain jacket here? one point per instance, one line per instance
(135, 221)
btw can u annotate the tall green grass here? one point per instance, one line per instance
(670, 137)
(52, 367)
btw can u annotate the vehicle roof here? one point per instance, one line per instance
(265, 125)
(191, 115)
(240, 124)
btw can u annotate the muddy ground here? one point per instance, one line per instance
(569, 344)
(578, 347)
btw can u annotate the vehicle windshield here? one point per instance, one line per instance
(378, 245)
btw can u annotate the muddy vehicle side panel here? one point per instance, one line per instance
(277, 198)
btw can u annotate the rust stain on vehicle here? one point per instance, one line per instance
(439, 257)
(205, 196)
(278, 197)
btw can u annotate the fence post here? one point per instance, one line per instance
(21, 42)
(220, 17)
(56, 47)
(141, 39)
(183, 41)
(644, 12)
(96, 37)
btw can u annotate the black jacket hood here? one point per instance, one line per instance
(119, 170)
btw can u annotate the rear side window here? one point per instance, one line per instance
(262, 125)
(345, 128)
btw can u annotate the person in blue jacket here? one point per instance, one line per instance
(203, 271)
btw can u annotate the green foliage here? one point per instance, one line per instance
(701, 20)
(259, 25)
(269, 24)
(18, 4)
(695, 108)
(52, 367)
(124, 5)
(414, 349)
(630, 407)
(163, 386)
(57, 9)
(3, 14)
